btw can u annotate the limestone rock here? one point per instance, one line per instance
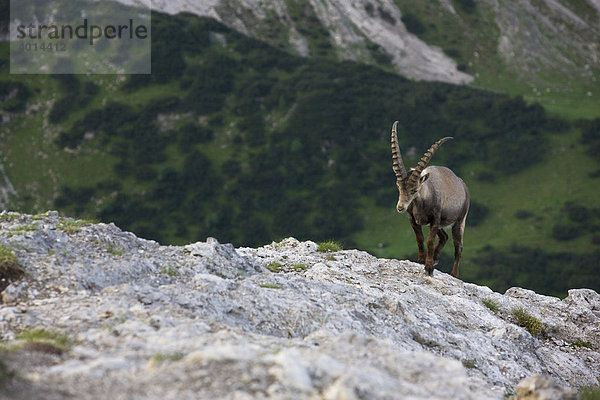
(206, 320)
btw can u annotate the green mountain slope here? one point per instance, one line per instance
(235, 139)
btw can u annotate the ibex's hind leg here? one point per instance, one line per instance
(457, 236)
(419, 234)
(443, 238)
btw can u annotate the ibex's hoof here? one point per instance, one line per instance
(429, 271)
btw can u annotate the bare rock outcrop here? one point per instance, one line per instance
(101, 313)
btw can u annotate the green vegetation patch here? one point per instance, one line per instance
(45, 341)
(161, 357)
(498, 267)
(13, 96)
(581, 343)
(10, 269)
(527, 321)
(73, 225)
(115, 251)
(275, 266)
(310, 27)
(329, 246)
(299, 267)
(270, 286)
(21, 230)
(589, 393)
(492, 304)
(170, 271)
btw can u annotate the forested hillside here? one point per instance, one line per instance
(235, 139)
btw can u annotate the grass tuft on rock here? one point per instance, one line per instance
(527, 321)
(581, 343)
(492, 304)
(274, 266)
(10, 269)
(329, 246)
(269, 286)
(74, 225)
(161, 357)
(46, 341)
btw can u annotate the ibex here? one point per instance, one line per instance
(432, 196)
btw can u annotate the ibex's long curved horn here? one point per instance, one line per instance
(416, 173)
(398, 166)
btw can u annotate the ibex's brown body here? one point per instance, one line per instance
(432, 196)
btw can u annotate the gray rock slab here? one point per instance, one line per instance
(207, 320)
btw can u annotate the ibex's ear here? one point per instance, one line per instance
(423, 178)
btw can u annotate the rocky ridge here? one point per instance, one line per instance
(140, 320)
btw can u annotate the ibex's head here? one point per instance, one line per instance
(409, 183)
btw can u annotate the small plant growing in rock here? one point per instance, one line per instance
(169, 271)
(270, 286)
(115, 251)
(21, 230)
(492, 304)
(527, 321)
(10, 216)
(158, 358)
(72, 225)
(329, 246)
(45, 341)
(10, 269)
(299, 267)
(274, 266)
(581, 343)
(39, 216)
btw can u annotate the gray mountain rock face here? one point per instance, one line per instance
(352, 30)
(533, 37)
(284, 321)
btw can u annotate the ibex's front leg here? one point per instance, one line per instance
(419, 234)
(433, 230)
